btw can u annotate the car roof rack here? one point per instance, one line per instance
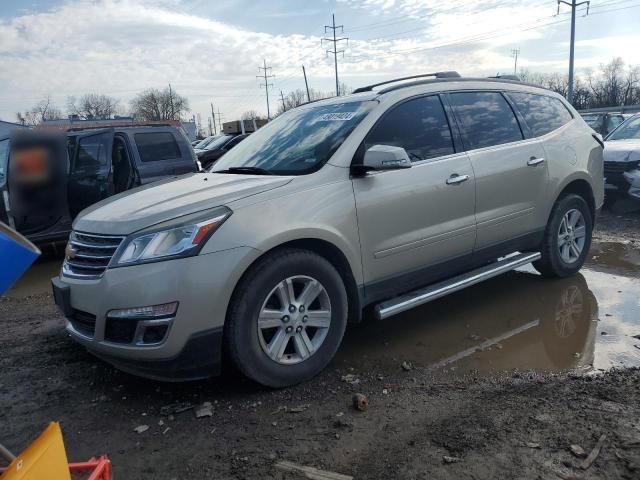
(437, 75)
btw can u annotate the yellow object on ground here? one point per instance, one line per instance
(44, 459)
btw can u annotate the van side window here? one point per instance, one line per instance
(92, 153)
(486, 119)
(154, 146)
(543, 114)
(419, 125)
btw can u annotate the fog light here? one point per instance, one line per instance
(154, 334)
(151, 311)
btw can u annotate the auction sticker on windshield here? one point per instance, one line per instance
(340, 116)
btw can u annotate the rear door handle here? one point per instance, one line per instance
(533, 161)
(455, 179)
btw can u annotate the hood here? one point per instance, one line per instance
(142, 207)
(621, 150)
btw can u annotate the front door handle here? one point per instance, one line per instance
(533, 161)
(455, 179)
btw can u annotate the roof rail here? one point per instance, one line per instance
(515, 78)
(368, 88)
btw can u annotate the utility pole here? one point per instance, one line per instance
(284, 107)
(210, 129)
(219, 121)
(335, 50)
(173, 113)
(304, 72)
(213, 115)
(573, 6)
(266, 84)
(514, 53)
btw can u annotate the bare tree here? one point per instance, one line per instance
(252, 114)
(92, 106)
(43, 110)
(154, 104)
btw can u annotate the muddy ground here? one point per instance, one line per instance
(499, 381)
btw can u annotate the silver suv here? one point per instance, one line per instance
(388, 198)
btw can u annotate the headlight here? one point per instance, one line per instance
(166, 241)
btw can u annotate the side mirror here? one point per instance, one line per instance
(385, 157)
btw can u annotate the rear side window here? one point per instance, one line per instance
(92, 153)
(155, 146)
(419, 125)
(543, 114)
(486, 119)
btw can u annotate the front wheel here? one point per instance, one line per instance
(567, 238)
(287, 318)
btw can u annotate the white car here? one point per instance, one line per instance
(622, 158)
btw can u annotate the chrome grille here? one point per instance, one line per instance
(88, 255)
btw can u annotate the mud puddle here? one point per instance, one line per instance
(36, 280)
(518, 321)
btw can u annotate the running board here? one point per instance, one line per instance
(418, 297)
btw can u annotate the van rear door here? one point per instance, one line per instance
(91, 176)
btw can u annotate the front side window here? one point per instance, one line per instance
(418, 125)
(543, 114)
(154, 146)
(4, 157)
(486, 119)
(298, 142)
(629, 130)
(92, 153)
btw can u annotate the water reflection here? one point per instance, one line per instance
(517, 321)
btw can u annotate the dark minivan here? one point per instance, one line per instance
(48, 177)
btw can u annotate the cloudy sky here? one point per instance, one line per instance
(210, 50)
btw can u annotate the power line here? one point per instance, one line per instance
(266, 77)
(335, 42)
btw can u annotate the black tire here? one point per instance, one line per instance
(241, 330)
(551, 264)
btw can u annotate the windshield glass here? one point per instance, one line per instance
(205, 142)
(594, 121)
(627, 130)
(217, 142)
(299, 141)
(4, 156)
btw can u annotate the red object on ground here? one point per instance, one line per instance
(98, 468)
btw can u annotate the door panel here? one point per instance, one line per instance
(410, 219)
(510, 192)
(415, 219)
(510, 172)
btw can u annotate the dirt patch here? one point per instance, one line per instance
(420, 422)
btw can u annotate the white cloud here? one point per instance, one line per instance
(120, 47)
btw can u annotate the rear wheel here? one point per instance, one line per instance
(287, 318)
(567, 238)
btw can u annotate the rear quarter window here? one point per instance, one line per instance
(542, 114)
(156, 146)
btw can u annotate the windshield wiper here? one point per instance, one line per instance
(247, 170)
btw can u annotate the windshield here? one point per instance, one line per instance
(205, 142)
(4, 155)
(299, 141)
(627, 131)
(217, 142)
(594, 121)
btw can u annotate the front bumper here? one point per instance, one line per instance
(202, 286)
